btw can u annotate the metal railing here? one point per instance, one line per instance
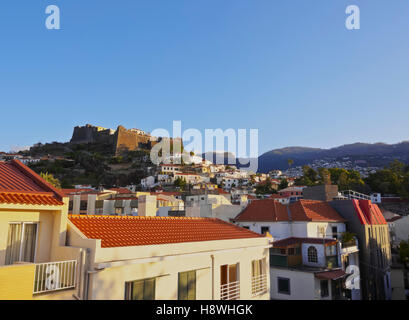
(347, 244)
(259, 284)
(230, 291)
(53, 276)
(350, 194)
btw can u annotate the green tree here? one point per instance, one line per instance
(181, 183)
(50, 179)
(283, 184)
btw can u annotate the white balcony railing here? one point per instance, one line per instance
(53, 276)
(230, 291)
(259, 285)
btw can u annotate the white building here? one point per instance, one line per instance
(160, 258)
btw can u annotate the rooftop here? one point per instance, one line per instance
(302, 210)
(294, 240)
(20, 185)
(124, 231)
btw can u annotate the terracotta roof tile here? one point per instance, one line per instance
(20, 185)
(314, 210)
(368, 212)
(12, 179)
(123, 231)
(264, 210)
(294, 240)
(330, 274)
(302, 210)
(29, 198)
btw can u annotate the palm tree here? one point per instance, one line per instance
(290, 162)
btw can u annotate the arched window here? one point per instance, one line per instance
(312, 254)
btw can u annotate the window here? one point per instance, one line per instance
(291, 251)
(258, 277)
(21, 242)
(312, 254)
(119, 211)
(257, 267)
(187, 285)
(265, 230)
(284, 286)
(246, 227)
(140, 289)
(324, 288)
(229, 281)
(335, 232)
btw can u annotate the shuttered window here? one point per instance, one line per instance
(140, 289)
(187, 285)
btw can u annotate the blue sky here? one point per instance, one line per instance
(288, 68)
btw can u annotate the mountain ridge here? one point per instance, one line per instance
(379, 152)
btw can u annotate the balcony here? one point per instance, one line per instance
(331, 262)
(259, 285)
(230, 291)
(54, 276)
(350, 246)
(350, 243)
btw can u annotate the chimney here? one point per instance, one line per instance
(92, 198)
(147, 206)
(76, 203)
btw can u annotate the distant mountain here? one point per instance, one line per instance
(376, 154)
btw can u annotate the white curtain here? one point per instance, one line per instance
(13, 243)
(21, 243)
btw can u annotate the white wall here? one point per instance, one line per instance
(302, 284)
(320, 254)
(402, 229)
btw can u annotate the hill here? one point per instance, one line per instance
(376, 154)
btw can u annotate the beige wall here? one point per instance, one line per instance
(109, 283)
(16, 282)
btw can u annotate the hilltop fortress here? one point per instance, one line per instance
(121, 139)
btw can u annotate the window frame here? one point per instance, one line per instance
(195, 285)
(23, 224)
(129, 287)
(311, 257)
(289, 285)
(327, 289)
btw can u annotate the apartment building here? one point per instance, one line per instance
(307, 260)
(47, 254)
(313, 269)
(304, 218)
(366, 221)
(35, 262)
(164, 258)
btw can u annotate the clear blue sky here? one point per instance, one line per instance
(288, 68)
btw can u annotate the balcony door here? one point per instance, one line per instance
(229, 280)
(21, 242)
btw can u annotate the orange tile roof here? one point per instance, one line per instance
(331, 274)
(314, 210)
(124, 231)
(121, 190)
(264, 210)
(20, 185)
(29, 198)
(302, 210)
(12, 179)
(283, 243)
(368, 212)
